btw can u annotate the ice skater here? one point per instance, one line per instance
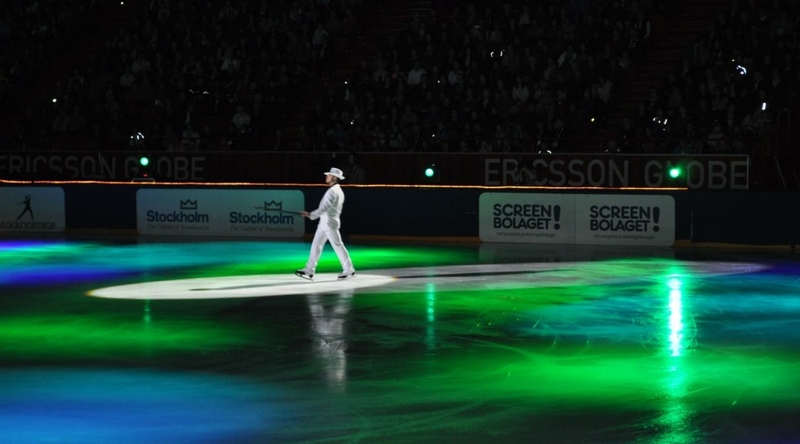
(27, 203)
(328, 213)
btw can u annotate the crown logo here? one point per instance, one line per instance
(188, 204)
(271, 206)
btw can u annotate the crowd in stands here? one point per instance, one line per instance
(488, 76)
(33, 34)
(478, 76)
(186, 76)
(731, 91)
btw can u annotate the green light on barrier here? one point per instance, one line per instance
(144, 161)
(429, 172)
(675, 172)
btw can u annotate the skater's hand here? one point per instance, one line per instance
(304, 213)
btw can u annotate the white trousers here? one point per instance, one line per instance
(335, 238)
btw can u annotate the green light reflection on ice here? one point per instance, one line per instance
(36, 250)
(364, 257)
(207, 259)
(430, 296)
(675, 318)
(45, 336)
(430, 326)
(674, 417)
(481, 338)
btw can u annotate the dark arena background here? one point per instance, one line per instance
(571, 222)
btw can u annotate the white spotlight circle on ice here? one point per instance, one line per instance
(238, 287)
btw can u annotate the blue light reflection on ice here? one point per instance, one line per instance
(52, 263)
(12, 245)
(125, 406)
(48, 275)
(630, 313)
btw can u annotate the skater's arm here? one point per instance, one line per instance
(328, 200)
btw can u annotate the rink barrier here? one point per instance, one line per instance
(735, 217)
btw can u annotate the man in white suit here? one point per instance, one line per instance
(330, 208)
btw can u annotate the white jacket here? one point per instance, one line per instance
(330, 208)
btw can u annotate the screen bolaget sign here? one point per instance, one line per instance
(249, 213)
(589, 219)
(533, 218)
(606, 219)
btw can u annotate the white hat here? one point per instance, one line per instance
(335, 172)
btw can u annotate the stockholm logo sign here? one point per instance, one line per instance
(272, 214)
(219, 212)
(187, 213)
